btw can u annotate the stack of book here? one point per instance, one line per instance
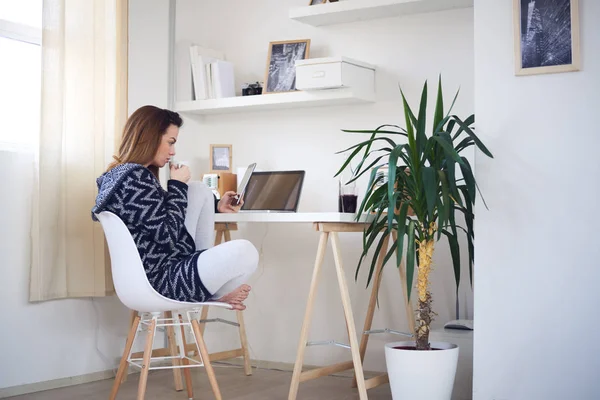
(202, 73)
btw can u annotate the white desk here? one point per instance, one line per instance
(291, 217)
(328, 224)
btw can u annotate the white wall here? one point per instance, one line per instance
(406, 51)
(54, 339)
(537, 269)
(68, 338)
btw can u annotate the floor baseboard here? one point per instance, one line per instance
(108, 374)
(55, 383)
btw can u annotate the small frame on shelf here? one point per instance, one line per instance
(546, 36)
(220, 158)
(280, 74)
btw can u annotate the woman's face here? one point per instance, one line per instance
(166, 149)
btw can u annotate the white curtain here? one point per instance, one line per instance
(84, 107)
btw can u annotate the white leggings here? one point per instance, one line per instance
(224, 267)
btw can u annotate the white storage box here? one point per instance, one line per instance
(334, 72)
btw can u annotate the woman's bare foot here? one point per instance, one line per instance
(237, 297)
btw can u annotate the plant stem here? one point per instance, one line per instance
(424, 310)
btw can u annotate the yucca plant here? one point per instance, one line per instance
(422, 197)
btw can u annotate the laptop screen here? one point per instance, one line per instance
(273, 191)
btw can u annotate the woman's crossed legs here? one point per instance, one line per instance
(223, 269)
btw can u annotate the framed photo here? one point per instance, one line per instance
(220, 158)
(546, 36)
(281, 69)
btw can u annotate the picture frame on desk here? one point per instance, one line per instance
(220, 157)
(546, 35)
(280, 74)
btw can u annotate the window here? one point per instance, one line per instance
(24, 12)
(20, 72)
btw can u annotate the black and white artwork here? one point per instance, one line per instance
(220, 158)
(546, 37)
(281, 68)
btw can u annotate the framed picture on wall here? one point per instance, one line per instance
(280, 75)
(546, 36)
(220, 158)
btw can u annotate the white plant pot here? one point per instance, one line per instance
(421, 375)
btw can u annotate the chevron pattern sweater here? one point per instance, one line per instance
(155, 218)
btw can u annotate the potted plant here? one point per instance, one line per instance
(421, 200)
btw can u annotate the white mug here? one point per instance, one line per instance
(179, 164)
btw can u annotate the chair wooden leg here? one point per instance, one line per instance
(146, 362)
(203, 316)
(186, 371)
(205, 358)
(244, 343)
(123, 364)
(131, 319)
(173, 350)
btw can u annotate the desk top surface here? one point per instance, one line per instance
(291, 217)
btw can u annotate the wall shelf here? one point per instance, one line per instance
(361, 10)
(275, 101)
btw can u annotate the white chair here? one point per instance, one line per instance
(135, 292)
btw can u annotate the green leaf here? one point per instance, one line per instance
(409, 117)
(368, 143)
(453, 101)
(448, 149)
(391, 182)
(469, 179)
(376, 257)
(468, 213)
(401, 230)
(451, 171)
(378, 131)
(422, 121)
(410, 258)
(368, 168)
(478, 142)
(440, 125)
(445, 201)
(450, 126)
(454, 251)
(431, 186)
(438, 114)
(370, 187)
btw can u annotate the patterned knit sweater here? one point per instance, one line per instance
(155, 218)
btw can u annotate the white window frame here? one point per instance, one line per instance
(20, 32)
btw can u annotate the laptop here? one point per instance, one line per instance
(273, 191)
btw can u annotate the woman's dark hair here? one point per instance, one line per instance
(142, 136)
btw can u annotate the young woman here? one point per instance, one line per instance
(173, 229)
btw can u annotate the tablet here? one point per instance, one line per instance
(243, 184)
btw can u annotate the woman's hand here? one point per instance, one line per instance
(225, 205)
(181, 173)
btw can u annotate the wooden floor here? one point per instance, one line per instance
(262, 385)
